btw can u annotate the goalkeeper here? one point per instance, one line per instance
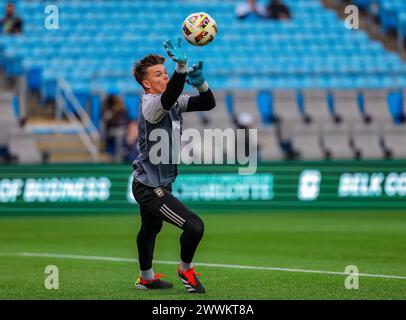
(161, 104)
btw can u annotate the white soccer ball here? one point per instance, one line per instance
(199, 29)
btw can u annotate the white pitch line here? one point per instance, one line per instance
(212, 265)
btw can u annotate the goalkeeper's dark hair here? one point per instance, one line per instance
(140, 68)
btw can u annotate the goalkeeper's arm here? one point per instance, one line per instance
(203, 102)
(175, 85)
(173, 90)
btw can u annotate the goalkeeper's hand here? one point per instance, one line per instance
(177, 54)
(195, 77)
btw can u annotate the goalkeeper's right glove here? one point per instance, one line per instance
(195, 77)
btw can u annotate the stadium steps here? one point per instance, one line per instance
(62, 148)
(77, 158)
(5, 97)
(7, 121)
(60, 143)
(6, 110)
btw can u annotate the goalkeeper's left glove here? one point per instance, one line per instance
(195, 77)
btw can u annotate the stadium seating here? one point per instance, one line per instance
(306, 140)
(391, 13)
(294, 75)
(99, 40)
(367, 141)
(346, 106)
(336, 140)
(394, 140)
(269, 145)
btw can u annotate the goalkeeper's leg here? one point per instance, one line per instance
(161, 203)
(175, 212)
(150, 227)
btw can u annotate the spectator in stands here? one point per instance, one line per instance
(115, 121)
(276, 9)
(10, 23)
(250, 8)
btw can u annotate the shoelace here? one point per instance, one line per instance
(191, 276)
(157, 276)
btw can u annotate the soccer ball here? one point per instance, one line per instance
(199, 29)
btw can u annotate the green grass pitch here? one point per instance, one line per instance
(327, 241)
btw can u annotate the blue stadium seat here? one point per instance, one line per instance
(101, 37)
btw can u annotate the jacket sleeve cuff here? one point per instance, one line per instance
(203, 87)
(181, 67)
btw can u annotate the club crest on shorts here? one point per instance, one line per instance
(159, 192)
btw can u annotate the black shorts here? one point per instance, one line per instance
(158, 204)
